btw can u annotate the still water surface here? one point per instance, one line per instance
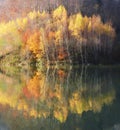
(85, 98)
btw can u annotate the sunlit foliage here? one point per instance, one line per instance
(58, 37)
(35, 44)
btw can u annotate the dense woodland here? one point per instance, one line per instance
(66, 31)
(58, 34)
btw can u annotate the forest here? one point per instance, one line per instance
(38, 32)
(59, 65)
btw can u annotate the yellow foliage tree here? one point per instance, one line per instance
(35, 44)
(60, 14)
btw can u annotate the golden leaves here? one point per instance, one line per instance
(50, 35)
(35, 44)
(60, 13)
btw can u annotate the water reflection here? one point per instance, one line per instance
(62, 99)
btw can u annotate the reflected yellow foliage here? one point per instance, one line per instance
(7, 99)
(79, 104)
(33, 113)
(61, 113)
(35, 87)
(22, 105)
(40, 98)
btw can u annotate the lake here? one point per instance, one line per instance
(68, 98)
